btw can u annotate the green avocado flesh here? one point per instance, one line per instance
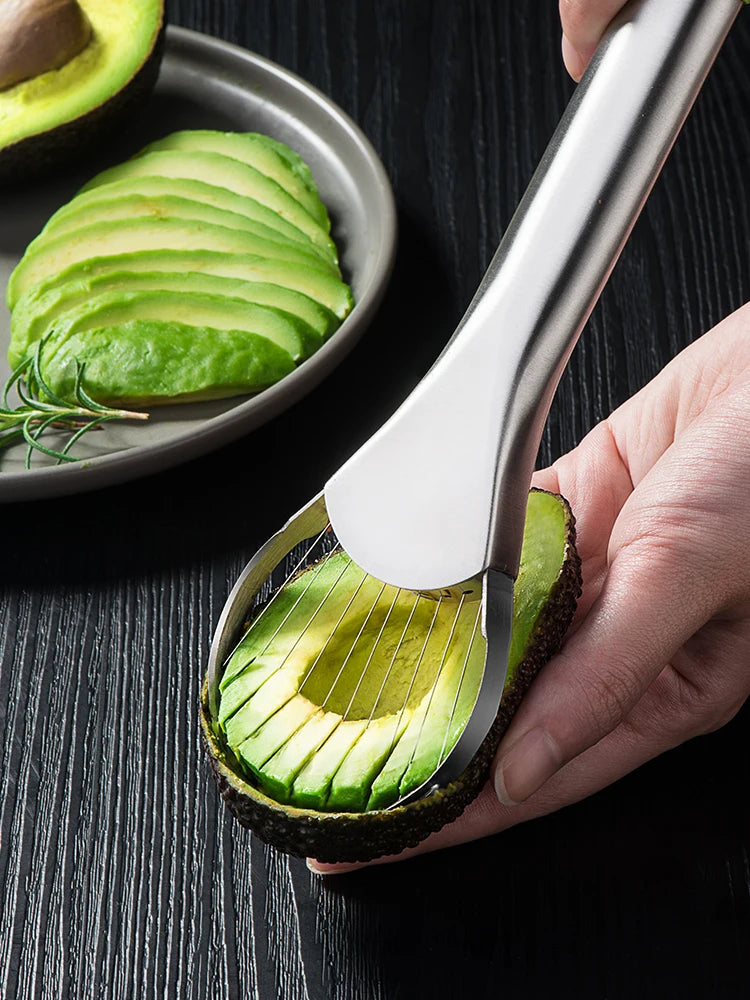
(221, 171)
(174, 204)
(49, 255)
(57, 113)
(181, 249)
(46, 308)
(260, 152)
(345, 694)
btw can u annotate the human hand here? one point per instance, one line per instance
(583, 24)
(659, 650)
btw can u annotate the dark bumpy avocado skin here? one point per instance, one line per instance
(348, 837)
(36, 155)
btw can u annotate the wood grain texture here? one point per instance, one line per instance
(121, 874)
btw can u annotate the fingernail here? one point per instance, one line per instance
(319, 869)
(574, 61)
(526, 766)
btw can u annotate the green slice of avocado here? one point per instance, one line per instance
(61, 113)
(313, 281)
(145, 362)
(279, 772)
(279, 729)
(178, 203)
(259, 152)
(220, 171)
(54, 254)
(330, 798)
(215, 312)
(312, 782)
(39, 310)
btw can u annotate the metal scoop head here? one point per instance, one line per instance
(419, 675)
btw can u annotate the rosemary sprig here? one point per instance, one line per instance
(40, 410)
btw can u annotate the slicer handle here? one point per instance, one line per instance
(577, 214)
(439, 493)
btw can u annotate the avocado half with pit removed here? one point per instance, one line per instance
(343, 695)
(108, 61)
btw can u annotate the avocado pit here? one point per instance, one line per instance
(39, 35)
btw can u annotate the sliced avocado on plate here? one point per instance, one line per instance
(144, 362)
(181, 245)
(222, 171)
(270, 158)
(39, 312)
(178, 204)
(331, 710)
(312, 280)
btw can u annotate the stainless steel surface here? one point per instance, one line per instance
(439, 493)
(306, 523)
(207, 83)
(497, 624)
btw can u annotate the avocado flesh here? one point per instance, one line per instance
(414, 706)
(311, 281)
(37, 313)
(220, 171)
(278, 773)
(175, 204)
(275, 732)
(257, 151)
(145, 234)
(136, 364)
(42, 117)
(216, 312)
(304, 830)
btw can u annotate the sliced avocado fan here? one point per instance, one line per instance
(345, 694)
(203, 244)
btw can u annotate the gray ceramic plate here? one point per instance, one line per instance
(205, 83)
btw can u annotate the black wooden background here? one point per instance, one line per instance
(121, 874)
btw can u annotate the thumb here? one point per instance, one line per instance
(653, 599)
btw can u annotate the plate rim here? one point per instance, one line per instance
(214, 432)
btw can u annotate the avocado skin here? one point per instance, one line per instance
(350, 837)
(36, 155)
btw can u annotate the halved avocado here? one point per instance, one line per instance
(325, 718)
(59, 113)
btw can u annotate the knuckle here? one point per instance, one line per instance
(695, 709)
(611, 697)
(716, 716)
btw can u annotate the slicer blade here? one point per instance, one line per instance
(497, 626)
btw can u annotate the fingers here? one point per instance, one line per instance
(583, 23)
(652, 601)
(675, 707)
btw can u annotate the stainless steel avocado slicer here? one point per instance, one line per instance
(426, 511)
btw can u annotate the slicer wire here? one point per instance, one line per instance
(308, 560)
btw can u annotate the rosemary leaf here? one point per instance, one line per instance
(40, 410)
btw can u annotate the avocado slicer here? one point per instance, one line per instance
(435, 501)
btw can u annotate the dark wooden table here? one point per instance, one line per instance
(121, 874)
